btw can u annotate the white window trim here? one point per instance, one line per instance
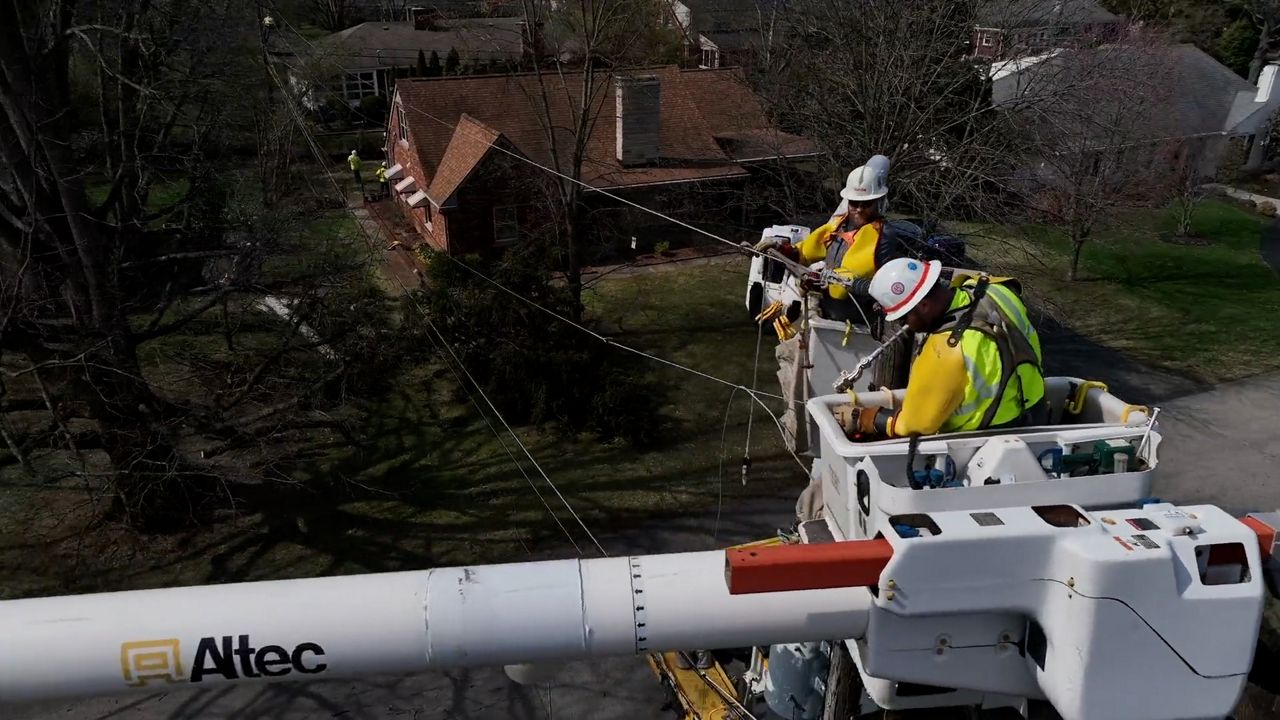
(402, 130)
(359, 84)
(498, 240)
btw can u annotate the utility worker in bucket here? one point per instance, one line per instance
(852, 245)
(980, 366)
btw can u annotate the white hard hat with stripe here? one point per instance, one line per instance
(902, 283)
(864, 183)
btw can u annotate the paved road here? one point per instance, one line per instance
(1271, 245)
(1222, 446)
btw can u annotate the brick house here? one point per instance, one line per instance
(451, 141)
(1007, 29)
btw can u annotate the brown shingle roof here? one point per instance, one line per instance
(469, 144)
(695, 108)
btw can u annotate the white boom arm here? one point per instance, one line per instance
(150, 640)
(1132, 614)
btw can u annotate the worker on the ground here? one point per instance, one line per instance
(382, 177)
(980, 366)
(353, 160)
(853, 245)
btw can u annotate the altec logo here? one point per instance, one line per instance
(227, 657)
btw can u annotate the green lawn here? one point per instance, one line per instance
(1208, 311)
(434, 486)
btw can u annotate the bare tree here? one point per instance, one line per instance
(1187, 178)
(1266, 16)
(102, 106)
(592, 36)
(1095, 120)
(332, 15)
(862, 78)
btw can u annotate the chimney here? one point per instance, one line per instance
(638, 102)
(423, 18)
(1266, 83)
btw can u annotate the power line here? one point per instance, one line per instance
(314, 147)
(613, 196)
(592, 188)
(751, 392)
(754, 393)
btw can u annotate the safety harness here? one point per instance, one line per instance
(986, 316)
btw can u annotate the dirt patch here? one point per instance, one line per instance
(1192, 240)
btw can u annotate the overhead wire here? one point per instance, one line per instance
(752, 392)
(598, 336)
(314, 147)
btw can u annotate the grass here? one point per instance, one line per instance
(435, 486)
(163, 193)
(1206, 311)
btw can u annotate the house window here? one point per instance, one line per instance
(506, 225)
(401, 129)
(710, 58)
(356, 85)
(985, 39)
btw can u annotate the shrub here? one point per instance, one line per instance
(535, 368)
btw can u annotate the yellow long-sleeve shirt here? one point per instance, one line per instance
(934, 391)
(859, 259)
(941, 380)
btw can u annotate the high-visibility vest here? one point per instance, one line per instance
(354, 162)
(1002, 359)
(382, 174)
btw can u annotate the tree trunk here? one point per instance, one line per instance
(1260, 55)
(1077, 244)
(154, 487)
(573, 253)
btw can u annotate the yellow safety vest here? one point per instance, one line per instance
(850, 254)
(354, 162)
(1000, 333)
(382, 174)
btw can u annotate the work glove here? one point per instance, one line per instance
(867, 420)
(812, 282)
(767, 243)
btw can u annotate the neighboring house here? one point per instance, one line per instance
(722, 32)
(1161, 105)
(1014, 28)
(366, 58)
(451, 141)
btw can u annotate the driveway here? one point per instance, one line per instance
(1222, 446)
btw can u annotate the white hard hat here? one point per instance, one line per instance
(880, 164)
(864, 183)
(902, 283)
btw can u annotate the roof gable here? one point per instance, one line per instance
(470, 143)
(1181, 90)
